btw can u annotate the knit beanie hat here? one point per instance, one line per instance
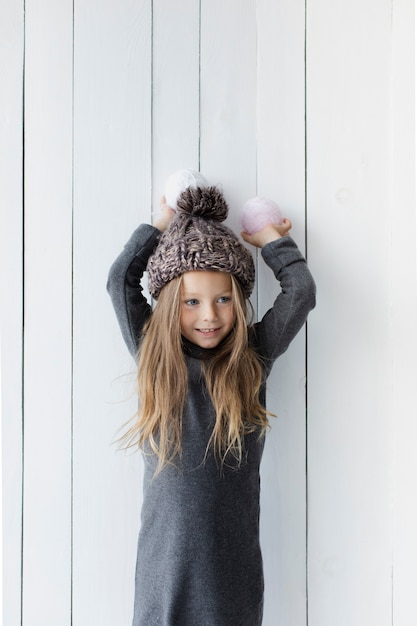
(196, 240)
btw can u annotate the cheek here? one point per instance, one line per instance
(184, 319)
(231, 316)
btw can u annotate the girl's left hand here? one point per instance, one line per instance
(165, 216)
(272, 232)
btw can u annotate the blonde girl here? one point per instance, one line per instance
(202, 370)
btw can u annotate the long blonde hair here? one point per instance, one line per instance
(233, 378)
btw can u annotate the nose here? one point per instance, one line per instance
(210, 313)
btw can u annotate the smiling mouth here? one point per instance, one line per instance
(207, 331)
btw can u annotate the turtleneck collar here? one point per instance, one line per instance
(196, 352)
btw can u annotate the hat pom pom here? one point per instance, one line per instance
(179, 181)
(257, 213)
(208, 203)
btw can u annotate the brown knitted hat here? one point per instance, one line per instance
(196, 240)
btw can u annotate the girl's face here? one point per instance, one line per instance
(207, 313)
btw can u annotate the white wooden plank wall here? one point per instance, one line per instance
(112, 191)
(310, 103)
(354, 140)
(11, 312)
(281, 175)
(350, 490)
(404, 296)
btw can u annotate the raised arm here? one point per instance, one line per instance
(124, 282)
(279, 326)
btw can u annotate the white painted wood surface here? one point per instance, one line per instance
(404, 315)
(11, 300)
(350, 411)
(281, 175)
(175, 91)
(309, 103)
(47, 354)
(112, 193)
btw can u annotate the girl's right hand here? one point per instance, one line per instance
(268, 234)
(165, 216)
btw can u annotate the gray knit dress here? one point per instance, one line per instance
(199, 561)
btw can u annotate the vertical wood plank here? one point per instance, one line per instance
(228, 99)
(112, 188)
(404, 314)
(349, 423)
(175, 104)
(47, 338)
(280, 175)
(11, 237)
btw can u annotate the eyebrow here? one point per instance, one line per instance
(196, 294)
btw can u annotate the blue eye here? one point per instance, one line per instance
(192, 302)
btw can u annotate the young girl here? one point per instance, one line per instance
(202, 369)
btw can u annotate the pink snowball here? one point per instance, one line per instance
(257, 213)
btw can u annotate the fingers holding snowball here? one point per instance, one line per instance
(285, 227)
(165, 216)
(269, 233)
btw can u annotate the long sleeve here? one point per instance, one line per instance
(273, 334)
(124, 284)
